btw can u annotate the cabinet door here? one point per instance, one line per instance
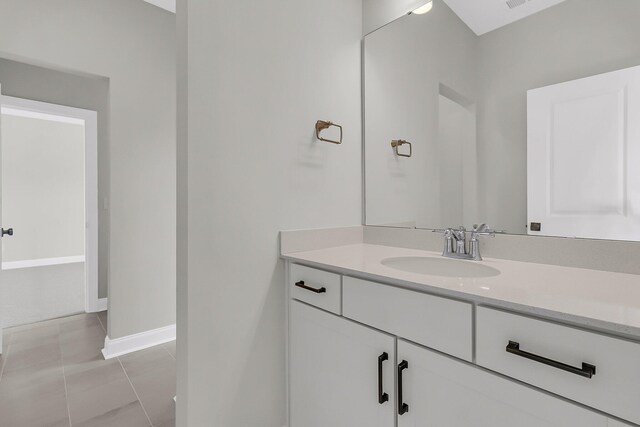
(333, 371)
(443, 392)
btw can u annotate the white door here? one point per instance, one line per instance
(441, 391)
(48, 188)
(2, 321)
(583, 152)
(334, 365)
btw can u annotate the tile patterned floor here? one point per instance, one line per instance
(52, 374)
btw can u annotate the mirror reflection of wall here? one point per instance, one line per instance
(426, 73)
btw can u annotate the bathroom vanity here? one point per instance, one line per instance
(529, 124)
(374, 339)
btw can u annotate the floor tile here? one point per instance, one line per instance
(153, 376)
(30, 344)
(49, 412)
(102, 316)
(144, 360)
(171, 348)
(33, 399)
(3, 359)
(131, 415)
(34, 334)
(93, 333)
(31, 385)
(33, 359)
(79, 323)
(55, 375)
(100, 400)
(78, 347)
(6, 338)
(31, 326)
(88, 376)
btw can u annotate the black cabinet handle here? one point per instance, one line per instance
(382, 396)
(403, 408)
(7, 231)
(301, 284)
(586, 371)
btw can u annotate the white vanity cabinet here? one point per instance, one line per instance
(563, 359)
(334, 367)
(441, 391)
(365, 354)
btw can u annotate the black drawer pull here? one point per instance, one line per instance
(403, 408)
(301, 284)
(586, 371)
(382, 396)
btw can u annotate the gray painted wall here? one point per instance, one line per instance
(74, 90)
(253, 168)
(575, 39)
(133, 44)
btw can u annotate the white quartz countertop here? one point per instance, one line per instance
(605, 301)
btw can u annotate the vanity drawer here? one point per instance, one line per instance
(613, 388)
(316, 287)
(439, 323)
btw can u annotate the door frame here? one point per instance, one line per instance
(37, 109)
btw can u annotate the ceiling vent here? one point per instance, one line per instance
(515, 3)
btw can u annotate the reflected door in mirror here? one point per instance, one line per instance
(583, 152)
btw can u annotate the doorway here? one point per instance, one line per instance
(49, 211)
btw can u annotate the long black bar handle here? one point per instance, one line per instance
(403, 408)
(586, 371)
(301, 284)
(382, 396)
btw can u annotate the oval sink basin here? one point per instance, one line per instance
(444, 267)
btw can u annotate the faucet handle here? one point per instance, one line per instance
(482, 230)
(448, 240)
(460, 233)
(445, 231)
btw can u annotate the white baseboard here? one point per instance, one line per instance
(95, 306)
(130, 343)
(41, 262)
(102, 304)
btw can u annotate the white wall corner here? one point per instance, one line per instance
(96, 305)
(131, 343)
(103, 304)
(169, 5)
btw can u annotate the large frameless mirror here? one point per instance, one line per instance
(522, 114)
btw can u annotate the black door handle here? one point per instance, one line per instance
(7, 232)
(382, 396)
(586, 371)
(301, 284)
(403, 408)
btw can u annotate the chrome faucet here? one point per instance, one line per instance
(459, 237)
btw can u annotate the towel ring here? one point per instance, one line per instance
(322, 125)
(395, 144)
